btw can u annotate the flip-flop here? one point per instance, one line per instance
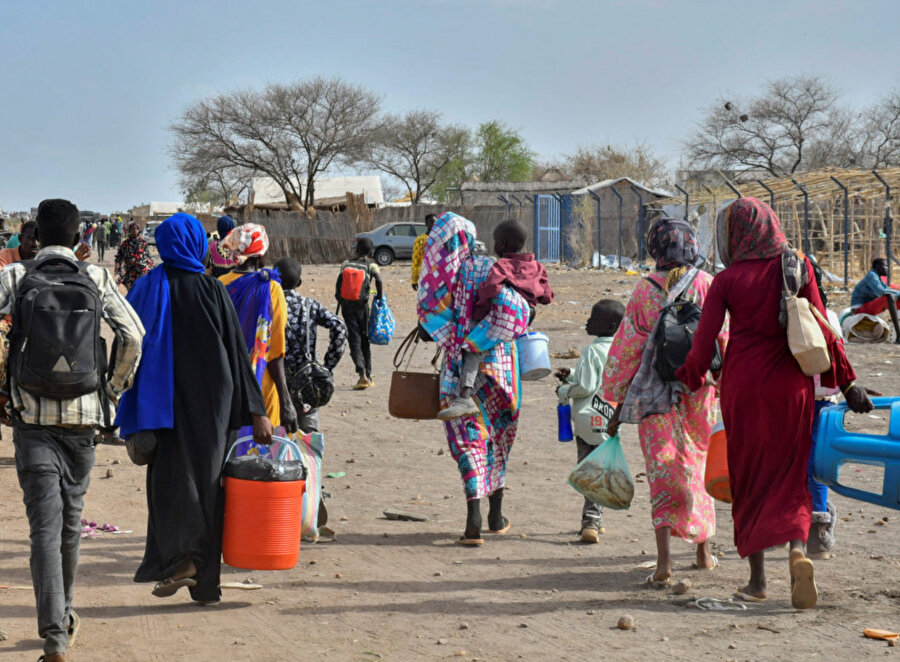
(657, 583)
(715, 560)
(503, 530)
(74, 626)
(748, 597)
(169, 587)
(804, 594)
(469, 542)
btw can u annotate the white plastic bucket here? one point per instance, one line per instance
(534, 356)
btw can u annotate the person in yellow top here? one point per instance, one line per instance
(419, 252)
(262, 311)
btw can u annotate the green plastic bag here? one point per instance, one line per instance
(603, 476)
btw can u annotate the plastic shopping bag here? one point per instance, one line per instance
(381, 323)
(312, 447)
(603, 476)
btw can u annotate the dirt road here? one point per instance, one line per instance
(388, 590)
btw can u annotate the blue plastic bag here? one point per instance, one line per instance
(381, 323)
(603, 476)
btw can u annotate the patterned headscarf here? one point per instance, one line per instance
(245, 241)
(450, 243)
(672, 242)
(748, 229)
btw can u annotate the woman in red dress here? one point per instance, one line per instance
(767, 402)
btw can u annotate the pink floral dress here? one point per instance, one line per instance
(674, 444)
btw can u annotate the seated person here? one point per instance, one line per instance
(873, 295)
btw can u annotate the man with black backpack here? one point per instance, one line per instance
(60, 392)
(352, 290)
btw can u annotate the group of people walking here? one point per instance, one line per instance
(228, 353)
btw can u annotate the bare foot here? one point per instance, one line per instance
(705, 560)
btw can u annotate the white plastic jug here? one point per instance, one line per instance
(534, 356)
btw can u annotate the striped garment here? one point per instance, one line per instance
(87, 410)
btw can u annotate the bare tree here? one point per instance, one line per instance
(778, 132)
(599, 163)
(323, 122)
(239, 131)
(291, 133)
(880, 134)
(415, 148)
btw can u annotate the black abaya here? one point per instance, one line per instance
(215, 395)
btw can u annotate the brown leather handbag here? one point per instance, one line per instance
(415, 395)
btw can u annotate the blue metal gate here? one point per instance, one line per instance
(546, 228)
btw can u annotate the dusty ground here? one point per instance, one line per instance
(403, 591)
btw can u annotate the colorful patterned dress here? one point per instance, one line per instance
(674, 444)
(448, 287)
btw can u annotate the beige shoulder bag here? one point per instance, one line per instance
(805, 338)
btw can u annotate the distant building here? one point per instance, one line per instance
(330, 192)
(156, 210)
(472, 194)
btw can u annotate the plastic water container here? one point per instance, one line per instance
(262, 521)
(716, 480)
(835, 446)
(534, 356)
(564, 422)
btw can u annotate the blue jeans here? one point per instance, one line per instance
(818, 491)
(54, 468)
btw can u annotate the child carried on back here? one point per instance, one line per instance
(517, 270)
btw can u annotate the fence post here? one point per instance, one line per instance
(599, 228)
(687, 201)
(505, 200)
(802, 189)
(640, 232)
(771, 193)
(846, 246)
(613, 189)
(536, 212)
(888, 223)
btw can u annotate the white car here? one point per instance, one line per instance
(149, 233)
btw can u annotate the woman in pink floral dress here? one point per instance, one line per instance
(674, 425)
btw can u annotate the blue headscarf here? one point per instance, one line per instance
(149, 404)
(224, 225)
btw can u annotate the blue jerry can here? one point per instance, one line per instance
(835, 445)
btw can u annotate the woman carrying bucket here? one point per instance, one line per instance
(673, 426)
(194, 391)
(451, 278)
(767, 402)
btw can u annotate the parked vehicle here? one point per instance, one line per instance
(394, 241)
(149, 233)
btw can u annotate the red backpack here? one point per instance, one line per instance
(355, 282)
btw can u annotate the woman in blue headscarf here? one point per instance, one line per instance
(195, 391)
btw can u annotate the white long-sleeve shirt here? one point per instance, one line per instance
(590, 412)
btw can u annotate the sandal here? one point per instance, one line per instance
(657, 583)
(169, 587)
(749, 597)
(503, 530)
(804, 593)
(74, 626)
(715, 560)
(469, 542)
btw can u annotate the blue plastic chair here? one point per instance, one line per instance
(835, 445)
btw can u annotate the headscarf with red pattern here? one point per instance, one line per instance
(749, 229)
(245, 241)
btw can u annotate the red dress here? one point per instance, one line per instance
(767, 402)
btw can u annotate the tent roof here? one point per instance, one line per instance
(606, 183)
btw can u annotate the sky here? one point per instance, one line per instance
(88, 89)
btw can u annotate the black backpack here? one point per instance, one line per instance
(56, 350)
(674, 336)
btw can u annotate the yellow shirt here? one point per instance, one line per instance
(418, 254)
(276, 345)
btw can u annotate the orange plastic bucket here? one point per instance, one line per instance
(262, 523)
(717, 482)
